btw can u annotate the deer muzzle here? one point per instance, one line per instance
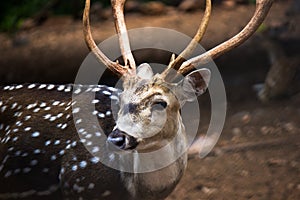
(122, 140)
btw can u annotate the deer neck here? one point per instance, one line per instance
(159, 183)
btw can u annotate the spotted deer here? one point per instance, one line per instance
(48, 150)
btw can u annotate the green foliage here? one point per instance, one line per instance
(13, 12)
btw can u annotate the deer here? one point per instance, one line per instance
(48, 150)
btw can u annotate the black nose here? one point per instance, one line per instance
(122, 140)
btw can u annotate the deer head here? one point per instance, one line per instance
(149, 108)
(149, 114)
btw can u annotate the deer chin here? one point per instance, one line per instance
(147, 146)
(122, 140)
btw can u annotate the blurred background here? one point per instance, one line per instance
(258, 154)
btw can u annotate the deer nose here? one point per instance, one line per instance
(122, 140)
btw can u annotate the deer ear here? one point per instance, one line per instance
(194, 84)
(144, 71)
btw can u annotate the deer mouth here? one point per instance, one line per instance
(121, 140)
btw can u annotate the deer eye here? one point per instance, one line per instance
(159, 105)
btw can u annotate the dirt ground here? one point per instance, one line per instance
(257, 155)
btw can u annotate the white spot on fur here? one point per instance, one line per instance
(91, 186)
(76, 110)
(95, 101)
(74, 168)
(35, 134)
(50, 87)
(95, 160)
(31, 86)
(61, 88)
(83, 164)
(33, 162)
(106, 193)
(101, 115)
(42, 86)
(55, 103)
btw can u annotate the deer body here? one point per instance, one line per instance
(39, 141)
(43, 156)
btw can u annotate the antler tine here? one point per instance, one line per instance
(113, 66)
(175, 64)
(118, 13)
(261, 11)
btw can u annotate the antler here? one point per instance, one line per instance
(118, 12)
(123, 39)
(261, 11)
(176, 63)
